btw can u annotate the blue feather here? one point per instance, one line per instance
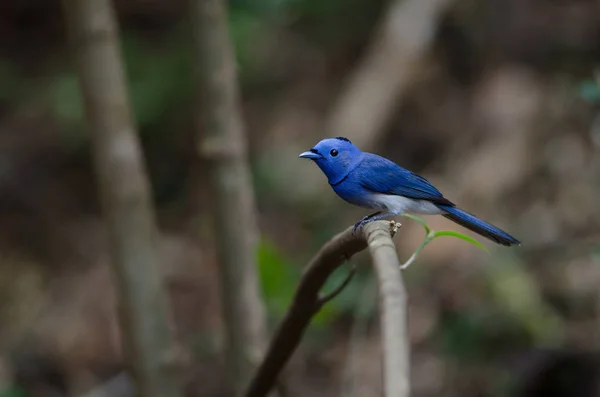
(381, 175)
(372, 181)
(476, 225)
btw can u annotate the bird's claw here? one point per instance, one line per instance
(359, 225)
(394, 226)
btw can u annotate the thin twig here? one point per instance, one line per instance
(326, 298)
(413, 257)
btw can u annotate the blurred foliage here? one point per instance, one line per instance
(516, 293)
(160, 74)
(280, 277)
(513, 316)
(506, 310)
(328, 22)
(596, 254)
(589, 90)
(13, 391)
(472, 335)
(159, 77)
(12, 82)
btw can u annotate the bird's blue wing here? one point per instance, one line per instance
(381, 175)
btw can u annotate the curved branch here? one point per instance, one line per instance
(306, 303)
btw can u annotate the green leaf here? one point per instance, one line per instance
(278, 277)
(421, 221)
(461, 236)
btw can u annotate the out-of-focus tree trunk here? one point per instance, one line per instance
(125, 195)
(223, 144)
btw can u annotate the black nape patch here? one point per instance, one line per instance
(341, 138)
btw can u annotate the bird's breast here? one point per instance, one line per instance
(401, 204)
(353, 193)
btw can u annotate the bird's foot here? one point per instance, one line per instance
(365, 219)
(359, 225)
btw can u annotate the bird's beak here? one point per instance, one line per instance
(310, 155)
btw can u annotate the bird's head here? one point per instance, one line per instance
(336, 157)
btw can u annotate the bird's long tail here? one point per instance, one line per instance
(475, 224)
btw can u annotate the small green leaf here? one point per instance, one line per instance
(421, 221)
(460, 236)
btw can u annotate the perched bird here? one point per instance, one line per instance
(371, 181)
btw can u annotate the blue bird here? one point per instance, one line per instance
(371, 181)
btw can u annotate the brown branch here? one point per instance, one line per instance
(125, 195)
(223, 144)
(304, 305)
(307, 301)
(394, 313)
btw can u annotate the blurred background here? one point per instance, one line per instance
(494, 101)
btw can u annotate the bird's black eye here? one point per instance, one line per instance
(333, 153)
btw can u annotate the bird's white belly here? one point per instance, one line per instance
(399, 204)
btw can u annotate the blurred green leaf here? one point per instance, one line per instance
(159, 79)
(596, 254)
(67, 106)
(13, 391)
(590, 91)
(462, 335)
(461, 236)
(159, 75)
(279, 279)
(248, 32)
(66, 102)
(517, 293)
